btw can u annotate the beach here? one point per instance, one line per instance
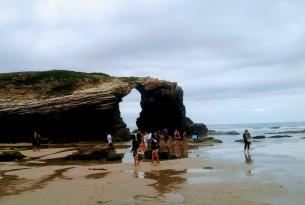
(185, 181)
(212, 174)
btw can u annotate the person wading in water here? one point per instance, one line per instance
(247, 141)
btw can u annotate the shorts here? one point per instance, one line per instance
(155, 151)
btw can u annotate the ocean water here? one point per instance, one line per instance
(273, 160)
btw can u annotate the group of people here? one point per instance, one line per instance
(141, 142)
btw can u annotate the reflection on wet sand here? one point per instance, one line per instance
(249, 161)
(12, 184)
(166, 180)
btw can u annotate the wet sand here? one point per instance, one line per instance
(193, 180)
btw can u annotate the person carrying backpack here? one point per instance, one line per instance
(247, 141)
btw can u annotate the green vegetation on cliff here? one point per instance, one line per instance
(53, 82)
(131, 79)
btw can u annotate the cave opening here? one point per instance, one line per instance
(130, 109)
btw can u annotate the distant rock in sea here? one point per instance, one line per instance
(259, 137)
(242, 141)
(287, 132)
(275, 127)
(213, 132)
(254, 138)
(279, 136)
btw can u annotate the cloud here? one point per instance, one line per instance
(214, 49)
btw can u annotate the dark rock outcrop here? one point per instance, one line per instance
(94, 153)
(170, 150)
(8, 156)
(66, 106)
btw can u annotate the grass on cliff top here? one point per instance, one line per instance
(53, 82)
(131, 79)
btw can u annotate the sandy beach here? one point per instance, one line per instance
(193, 180)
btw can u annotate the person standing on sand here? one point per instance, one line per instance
(149, 140)
(134, 149)
(36, 141)
(109, 140)
(247, 141)
(155, 149)
(142, 149)
(176, 135)
(165, 133)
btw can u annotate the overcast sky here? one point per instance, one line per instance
(237, 61)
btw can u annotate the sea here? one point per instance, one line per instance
(272, 160)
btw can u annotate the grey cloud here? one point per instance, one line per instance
(213, 49)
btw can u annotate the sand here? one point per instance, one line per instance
(183, 181)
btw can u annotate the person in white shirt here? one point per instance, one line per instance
(149, 140)
(145, 137)
(109, 140)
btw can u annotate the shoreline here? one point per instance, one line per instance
(195, 180)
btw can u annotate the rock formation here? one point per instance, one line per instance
(213, 132)
(66, 106)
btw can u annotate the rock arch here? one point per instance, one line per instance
(89, 110)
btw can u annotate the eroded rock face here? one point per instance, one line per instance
(85, 107)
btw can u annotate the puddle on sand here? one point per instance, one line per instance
(137, 174)
(202, 175)
(173, 197)
(201, 171)
(166, 180)
(127, 158)
(12, 184)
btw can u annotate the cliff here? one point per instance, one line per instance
(67, 106)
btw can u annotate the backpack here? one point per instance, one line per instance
(155, 143)
(135, 144)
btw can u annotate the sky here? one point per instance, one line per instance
(237, 61)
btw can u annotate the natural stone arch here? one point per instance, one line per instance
(88, 110)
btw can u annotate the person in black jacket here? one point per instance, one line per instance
(134, 149)
(247, 140)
